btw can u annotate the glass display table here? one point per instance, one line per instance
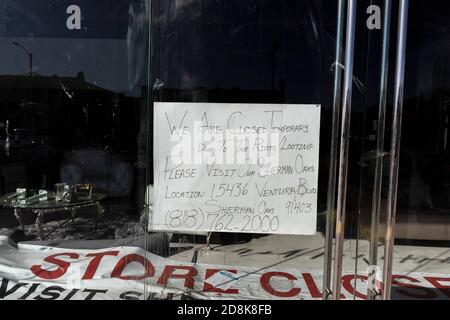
(51, 205)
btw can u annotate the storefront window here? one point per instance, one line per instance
(73, 130)
(96, 203)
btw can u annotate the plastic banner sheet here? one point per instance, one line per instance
(47, 273)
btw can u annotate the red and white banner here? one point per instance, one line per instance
(46, 273)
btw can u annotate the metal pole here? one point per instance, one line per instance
(395, 146)
(343, 158)
(378, 178)
(31, 64)
(331, 197)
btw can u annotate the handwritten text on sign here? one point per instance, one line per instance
(249, 168)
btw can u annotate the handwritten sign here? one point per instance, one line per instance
(250, 168)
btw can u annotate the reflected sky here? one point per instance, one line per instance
(110, 47)
(253, 44)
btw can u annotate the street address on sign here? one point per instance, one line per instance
(250, 168)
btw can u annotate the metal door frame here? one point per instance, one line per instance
(342, 106)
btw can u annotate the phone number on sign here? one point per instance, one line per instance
(196, 219)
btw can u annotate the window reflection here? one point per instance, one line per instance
(73, 103)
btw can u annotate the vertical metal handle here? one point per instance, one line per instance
(343, 157)
(395, 146)
(331, 195)
(378, 177)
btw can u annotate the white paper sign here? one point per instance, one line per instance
(250, 168)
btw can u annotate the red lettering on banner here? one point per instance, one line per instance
(435, 281)
(60, 271)
(312, 287)
(169, 273)
(210, 288)
(347, 284)
(125, 261)
(427, 292)
(311, 284)
(265, 284)
(93, 265)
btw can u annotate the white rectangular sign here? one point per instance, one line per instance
(250, 168)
